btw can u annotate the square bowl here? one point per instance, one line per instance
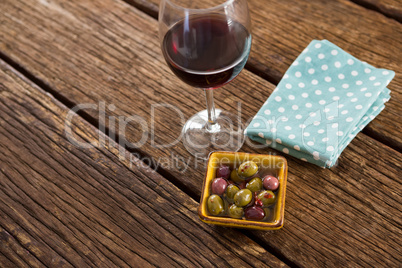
(268, 165)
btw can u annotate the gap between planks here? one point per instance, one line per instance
(388, 12)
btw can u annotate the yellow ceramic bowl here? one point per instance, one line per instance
(271, 164)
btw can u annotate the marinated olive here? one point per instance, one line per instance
(231, 190)
(243, 197)
(248, 169)
(254, 213)
(235, 211)
(271, 183)
(235, 177)
(267, 197)
(215, 205)
(218, 186)
(254, 185)
(223, 172)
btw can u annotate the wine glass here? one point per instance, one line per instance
(206, 44)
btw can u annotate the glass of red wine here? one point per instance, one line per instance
(206, 44)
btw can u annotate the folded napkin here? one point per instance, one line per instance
(325, 98)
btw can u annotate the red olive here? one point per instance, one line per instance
(219, 186)
(270, 183)
(223, 172)
(254, 213)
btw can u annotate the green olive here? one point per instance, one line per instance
(215, 205)
(254, 185)
(243, 197)
(248, 169)
(235, 211)
(231, 190)
(235, 177)
(267, 197)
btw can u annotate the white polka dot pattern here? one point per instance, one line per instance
(325, 98)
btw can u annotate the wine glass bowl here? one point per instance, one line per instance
(207, 47)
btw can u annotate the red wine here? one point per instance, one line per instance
(207, 51)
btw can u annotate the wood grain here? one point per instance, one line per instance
(391, 8)
(64, 206)
(330, 214)
(282, 29)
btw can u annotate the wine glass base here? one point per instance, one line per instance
(225, 135)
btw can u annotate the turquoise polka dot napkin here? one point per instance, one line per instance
(325, 98)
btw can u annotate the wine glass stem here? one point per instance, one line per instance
(211, 126)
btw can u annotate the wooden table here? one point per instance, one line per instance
(117, 204)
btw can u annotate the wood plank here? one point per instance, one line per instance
(282, 29)
(7, 263)
(13, 254)
(66, 206)
(117, 60)
(390, 8)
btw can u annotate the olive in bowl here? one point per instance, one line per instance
(242, 199)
